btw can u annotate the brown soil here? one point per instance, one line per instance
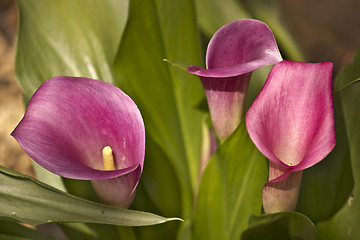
(11, 103)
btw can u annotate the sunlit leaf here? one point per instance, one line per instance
(67, 37)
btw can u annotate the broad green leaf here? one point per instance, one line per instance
(230, 189)
(166, 95)
(67, 37)
(213, 14)
(283, 225)
(326, 186)
(345, 224)
(15, 229)
(27, 200)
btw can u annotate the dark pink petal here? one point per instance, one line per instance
(292, 123)
(68, 122)
(233, 53)
(238, 48)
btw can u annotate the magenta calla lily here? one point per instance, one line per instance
(292, 123)
(67, 124)
(234, 51)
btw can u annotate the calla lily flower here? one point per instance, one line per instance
(292, 123)
(234, 51)
(82, 128)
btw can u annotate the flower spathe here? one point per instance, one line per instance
(68, 123)
(292, 123)
(234, 51)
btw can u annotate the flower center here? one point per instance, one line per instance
(108, 159)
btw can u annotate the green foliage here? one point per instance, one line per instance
(30, 201)
(345, 223)
(283, 225)
(166, 95)
(230, 190)
(14, 230)
(67, 38)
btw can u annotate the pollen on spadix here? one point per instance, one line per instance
(108, 159)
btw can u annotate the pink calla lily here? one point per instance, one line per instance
(234, 51)
(70, 120)
(292, 123)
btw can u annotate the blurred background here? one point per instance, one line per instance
(324, 30)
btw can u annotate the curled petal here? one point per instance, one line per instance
(233, 53)
(292, 120)
(292, 123)
(70, 120)
(238, 48)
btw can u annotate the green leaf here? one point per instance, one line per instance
(213, 14)
(166, 95)
(283, 225)
(126, 233)
(345, 224)
(10, 237)
(230, 189)
(78, 231)
(349, 74)
(160, 181)
(67, 37)
(27, 200)
(16, 230)
(326, 186)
